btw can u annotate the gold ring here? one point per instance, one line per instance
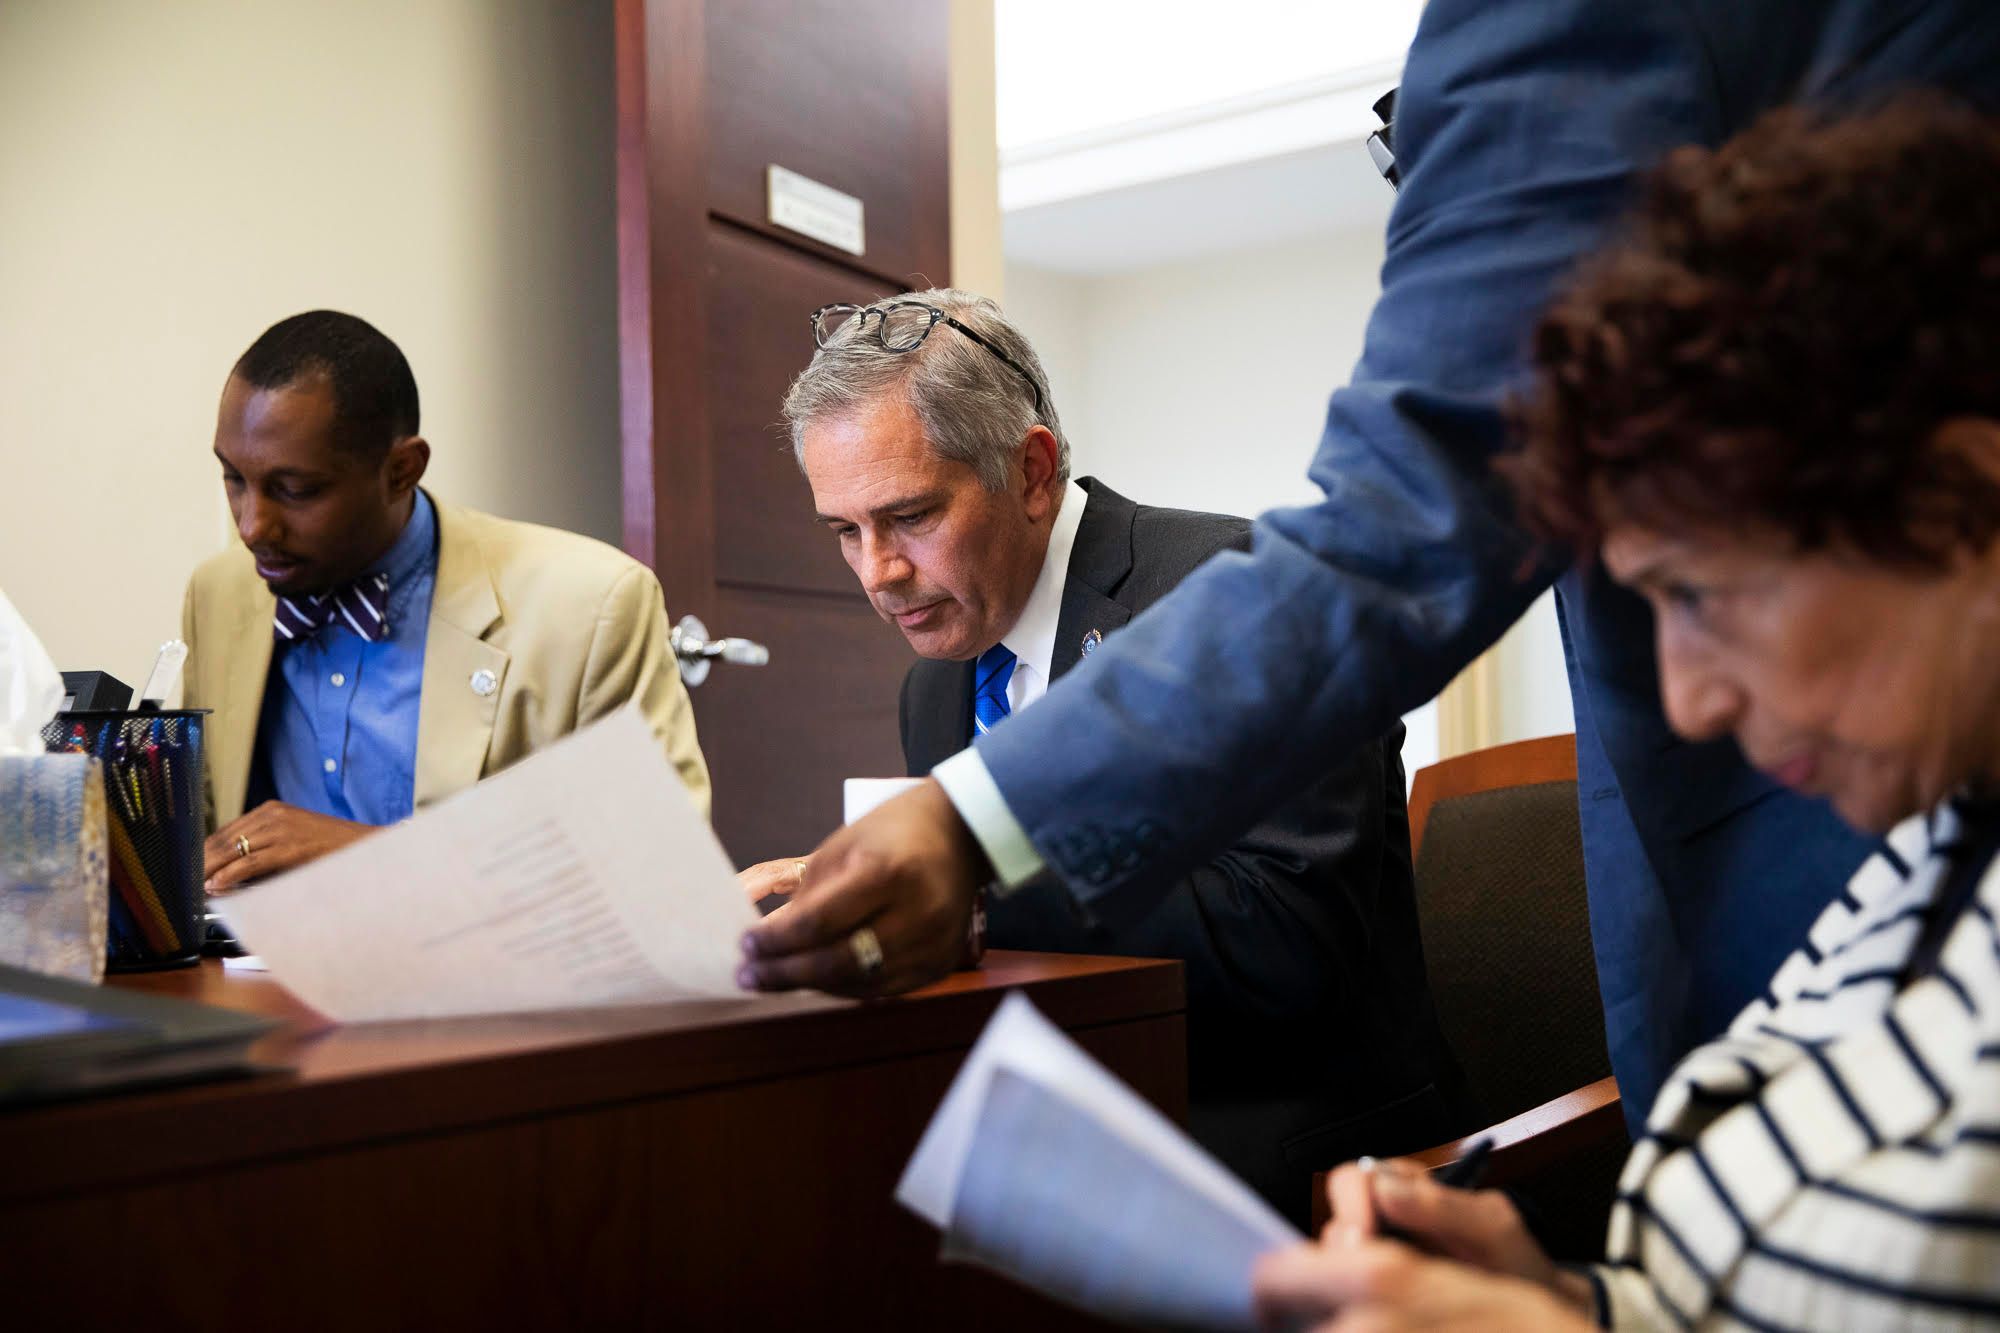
(867, 952)
(242, 845)
(799, 873)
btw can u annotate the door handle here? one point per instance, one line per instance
(696, 652)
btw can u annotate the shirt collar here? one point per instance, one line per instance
(1033, 638)
(414, 552)
(414, 547)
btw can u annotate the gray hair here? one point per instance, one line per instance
(975, 408)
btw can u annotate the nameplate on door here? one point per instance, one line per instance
(803, 205)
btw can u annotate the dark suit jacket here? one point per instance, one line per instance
(1521, 129)
(1305, 972)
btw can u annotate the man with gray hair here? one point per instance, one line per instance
(938, 462)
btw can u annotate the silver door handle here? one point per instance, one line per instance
(696, 652)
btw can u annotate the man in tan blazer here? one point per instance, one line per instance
(366, 650)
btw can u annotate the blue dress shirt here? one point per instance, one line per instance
(338, 731)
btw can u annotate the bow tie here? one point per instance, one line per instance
(359, 605)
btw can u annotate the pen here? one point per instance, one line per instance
(1463, 1173)
(1468, 1170)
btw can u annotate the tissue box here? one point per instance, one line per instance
(54, 876)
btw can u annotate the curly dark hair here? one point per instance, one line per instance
(1780, 341)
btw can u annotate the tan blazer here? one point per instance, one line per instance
(571, 629)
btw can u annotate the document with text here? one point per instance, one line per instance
(1042, 1165)
(583, 875)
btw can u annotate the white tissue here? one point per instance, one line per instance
(31, 689)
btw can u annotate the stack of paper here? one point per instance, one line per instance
(583, 875)
(1041, 1165)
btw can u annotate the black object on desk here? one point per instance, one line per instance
(61, 1038)
(94, 691)
(217, 942)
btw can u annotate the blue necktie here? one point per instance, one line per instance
(990, 675)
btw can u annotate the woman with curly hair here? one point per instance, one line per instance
(1774, 409)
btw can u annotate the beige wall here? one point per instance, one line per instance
(175, 177)
(977, 263)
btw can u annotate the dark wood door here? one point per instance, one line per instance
(714, 300)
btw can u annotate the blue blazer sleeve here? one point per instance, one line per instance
(1520, 128)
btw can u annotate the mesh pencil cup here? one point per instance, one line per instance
(153, 780)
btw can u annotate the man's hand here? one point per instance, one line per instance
(1377, 1286)
(279, 836)
(909, 871)
(784, 876)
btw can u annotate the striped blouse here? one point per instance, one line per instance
(1833, 1160)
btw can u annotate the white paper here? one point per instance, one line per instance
(581, 876)
(860, 795)
(1042, 1165)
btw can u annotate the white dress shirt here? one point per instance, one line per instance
(1032, 640)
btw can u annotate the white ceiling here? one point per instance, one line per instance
(1065, 67)
(1142, 132)
(1330, 188)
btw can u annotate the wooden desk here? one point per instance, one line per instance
(725, 1167)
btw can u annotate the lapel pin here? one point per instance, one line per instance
(1090, 641)
(484, 682)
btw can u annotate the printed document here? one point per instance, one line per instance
(581, 876)
(1041, 1165)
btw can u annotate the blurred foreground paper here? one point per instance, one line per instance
(1041, 1165)
(582, 875)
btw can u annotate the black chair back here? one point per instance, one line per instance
(1506, 927)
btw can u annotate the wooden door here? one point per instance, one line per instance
(714, 300)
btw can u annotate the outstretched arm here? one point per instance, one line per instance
(1520, 131)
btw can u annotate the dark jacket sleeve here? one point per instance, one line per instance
(1300, 938)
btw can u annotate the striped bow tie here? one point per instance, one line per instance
(359, 605)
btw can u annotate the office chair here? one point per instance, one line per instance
(1506, 928)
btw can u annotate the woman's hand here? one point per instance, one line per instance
(1477, 1227)
(1380, 1286)
(1460, 1259)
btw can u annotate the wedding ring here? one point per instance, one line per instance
(799, 873)
(242, 845)
(867, 952)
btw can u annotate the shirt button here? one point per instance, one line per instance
(329, 765)
(339, 679)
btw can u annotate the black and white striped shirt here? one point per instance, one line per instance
(1833, 1160)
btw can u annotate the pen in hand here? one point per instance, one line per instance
(1465, 1172)
(1468, 1172)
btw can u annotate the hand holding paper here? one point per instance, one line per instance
(583, 875)
(1041, 1165)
